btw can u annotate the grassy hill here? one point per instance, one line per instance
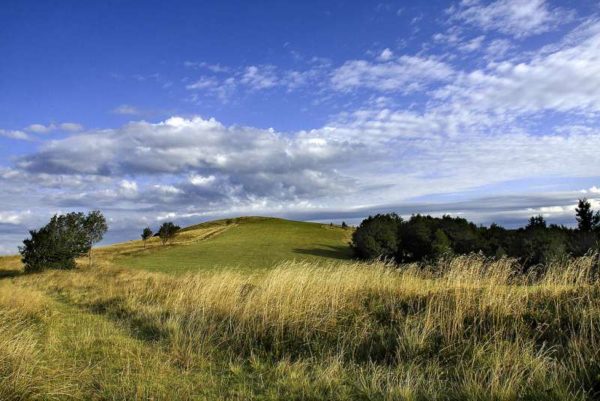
(247, 243)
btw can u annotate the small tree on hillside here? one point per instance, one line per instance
(344, 225)
(57, 244)
(146, 234)
(587, 220)
(95, 227)
(167, 232)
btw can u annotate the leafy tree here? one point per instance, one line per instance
(57, 244)
(146, 234)
(415, 239)
(377, 237)
(587, 220)
(540, 245)
(167, 232)
(536, 222)
(95, 227)
(441, 245)
(426, 237)
(344, 225)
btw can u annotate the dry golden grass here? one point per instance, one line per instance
(107, 254)
(470, 328)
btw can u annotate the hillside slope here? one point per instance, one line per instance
(244, 243)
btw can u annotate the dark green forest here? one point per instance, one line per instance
(427, 238)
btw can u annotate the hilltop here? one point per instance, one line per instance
(247, 243)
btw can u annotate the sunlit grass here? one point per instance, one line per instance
(468, 329)
(246, 244)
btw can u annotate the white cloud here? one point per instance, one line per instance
(71, 127)
(497, 48)
(223, 89)
(15, 134)
(256, 162)
(128, 187)
(216, 68)
(203, 83)
(40, 128)
(385, 55)
(167, 189)
(200, 180)
(565, 80)
(45, 129)
(259, 77)
(519, 18)
(405, 74)
(127, 110)
(14, 218)
(472, 45)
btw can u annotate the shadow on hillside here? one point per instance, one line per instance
(327, 251)
(10, 273)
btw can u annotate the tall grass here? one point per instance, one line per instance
(467, 328)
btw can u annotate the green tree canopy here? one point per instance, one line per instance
(64, 238)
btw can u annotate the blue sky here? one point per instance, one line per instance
(317, 110)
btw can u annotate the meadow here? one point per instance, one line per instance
(468, 329)
(245, 243)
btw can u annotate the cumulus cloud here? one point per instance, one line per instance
(259, 162)
(518, 18)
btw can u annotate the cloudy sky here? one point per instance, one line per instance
(313, 110)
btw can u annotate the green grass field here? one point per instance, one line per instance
(248, 243)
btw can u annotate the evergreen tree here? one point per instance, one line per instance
(587, 220)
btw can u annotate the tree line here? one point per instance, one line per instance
(427, 238)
